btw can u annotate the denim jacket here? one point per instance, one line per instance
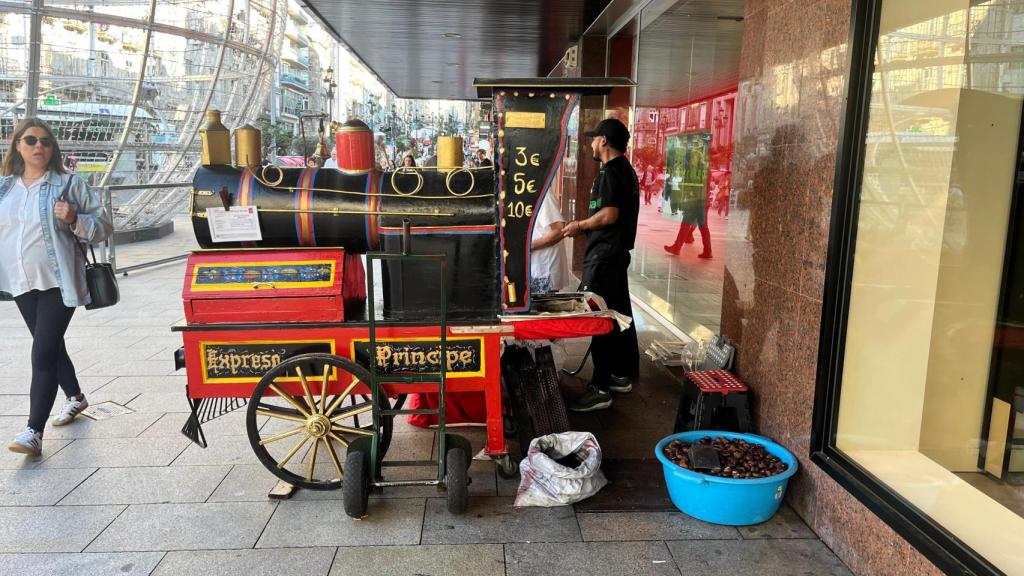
(94, 225)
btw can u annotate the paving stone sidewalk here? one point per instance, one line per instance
(131, 496)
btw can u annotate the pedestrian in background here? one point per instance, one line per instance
(482, 161)
(44, 213)
(332, 162)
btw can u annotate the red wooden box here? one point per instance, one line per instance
(290, 285)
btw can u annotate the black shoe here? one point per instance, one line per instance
(592, 399)
(619, 384)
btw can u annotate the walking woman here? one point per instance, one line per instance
(43, 212)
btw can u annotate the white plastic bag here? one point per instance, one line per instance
(548, 483)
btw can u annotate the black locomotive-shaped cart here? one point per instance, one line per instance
(289, 326)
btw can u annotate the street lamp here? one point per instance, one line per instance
(331, 85)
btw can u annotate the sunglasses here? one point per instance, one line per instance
(46, 141)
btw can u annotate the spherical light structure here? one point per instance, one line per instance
(126, 83)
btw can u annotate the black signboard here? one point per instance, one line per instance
(532, 130)
(251, 360)
(423, 356)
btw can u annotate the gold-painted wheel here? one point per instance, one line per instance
(300, 431)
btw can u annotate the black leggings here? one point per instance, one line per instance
(47, 319)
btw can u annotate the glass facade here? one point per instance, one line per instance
(931, 401)
(682, 117)
(126, 85)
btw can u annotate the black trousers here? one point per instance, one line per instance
(617, 352)
(47, 319)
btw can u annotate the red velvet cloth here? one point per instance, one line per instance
(552, 328)
(459, 409)
(353, 283)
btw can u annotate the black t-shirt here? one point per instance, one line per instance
(616, 186)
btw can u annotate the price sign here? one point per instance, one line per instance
(532, 130)
(240, 224)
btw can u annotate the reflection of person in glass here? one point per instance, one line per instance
(611, 231)
(650, 177)
(694, 202)
(695, 215)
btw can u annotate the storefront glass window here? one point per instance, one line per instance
(932, 389)
(687, 68)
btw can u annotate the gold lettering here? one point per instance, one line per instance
(523, 185)
(520, 210)
(434, 357)
(466, 357)
(521, 159)
(275, 360)
(236, 363)
(383, 355)
(419, 358)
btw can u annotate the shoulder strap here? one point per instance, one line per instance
(63, 197)
(67, 186)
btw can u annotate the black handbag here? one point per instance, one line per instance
(99, 276)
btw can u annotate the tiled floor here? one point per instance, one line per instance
(684, 288)
(130, 495)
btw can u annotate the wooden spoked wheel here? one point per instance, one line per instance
(300, 430)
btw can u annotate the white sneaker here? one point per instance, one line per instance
(72, 407)
(27, 442)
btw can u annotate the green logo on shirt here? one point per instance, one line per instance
(595, 204)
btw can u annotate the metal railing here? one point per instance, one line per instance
(158, 210)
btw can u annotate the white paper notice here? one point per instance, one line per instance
(239, 224)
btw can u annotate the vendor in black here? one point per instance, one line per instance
(611, 231)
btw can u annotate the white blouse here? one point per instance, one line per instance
(23, 258)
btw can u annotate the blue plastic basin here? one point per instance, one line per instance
(725, 500)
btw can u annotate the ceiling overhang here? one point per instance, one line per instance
(435, 48)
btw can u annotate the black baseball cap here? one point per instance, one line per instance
(615, 131)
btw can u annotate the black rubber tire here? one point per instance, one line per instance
(457, 480)
(356, 488)
(507, 467)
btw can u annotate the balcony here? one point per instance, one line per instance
(293, 111)
(299, 57)
(297, 36)
(297, 14)
(300, 81)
